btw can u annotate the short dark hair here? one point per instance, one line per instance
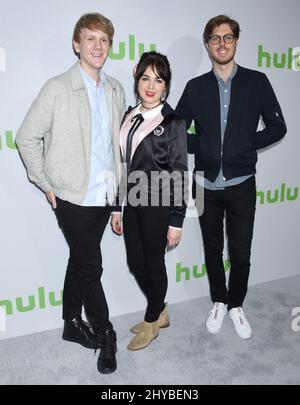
(159, 63)
(216, 22)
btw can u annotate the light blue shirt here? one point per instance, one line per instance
(101, 145)
(225, 93)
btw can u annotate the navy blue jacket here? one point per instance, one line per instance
(252, 97)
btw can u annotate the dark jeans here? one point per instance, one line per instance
(145, 234)
(83, 228)
(237, 204)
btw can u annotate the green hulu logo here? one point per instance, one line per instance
(32, 302)
(281, 194)
(134, 50)
(289, 60)
(192, 130)
(185, 273)
(8, 140)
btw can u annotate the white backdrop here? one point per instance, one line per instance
(35, 44)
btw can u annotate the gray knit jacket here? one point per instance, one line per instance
(54, 139)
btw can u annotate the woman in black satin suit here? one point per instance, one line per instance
(153, 147)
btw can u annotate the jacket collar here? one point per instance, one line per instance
(166, 110)
(237, 71)
(77, 81)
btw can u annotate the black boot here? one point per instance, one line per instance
(107, 362)
(80, 332)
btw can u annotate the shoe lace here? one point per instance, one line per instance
(107, 345)
(215, 311)
(108, 348)
(242, 316)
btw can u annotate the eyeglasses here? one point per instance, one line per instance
(216, 39)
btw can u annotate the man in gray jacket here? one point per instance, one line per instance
(69, 142)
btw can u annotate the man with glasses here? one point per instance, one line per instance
(226, 105)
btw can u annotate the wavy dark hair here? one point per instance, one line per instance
(159, 63)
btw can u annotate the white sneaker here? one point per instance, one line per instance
(241, 325)
(215, 317)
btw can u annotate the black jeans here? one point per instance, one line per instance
(145, 234)
(237, 204)
(83, 228)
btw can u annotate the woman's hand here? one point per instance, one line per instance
(116, 223)
(174, 236)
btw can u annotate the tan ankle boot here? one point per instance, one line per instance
(147, 332)
(163, 321)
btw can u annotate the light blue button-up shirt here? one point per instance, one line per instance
(101, 145)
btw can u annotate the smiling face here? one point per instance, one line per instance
(222, 54)
(151, 88)
(93, 49)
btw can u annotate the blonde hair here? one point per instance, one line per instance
(94, 21)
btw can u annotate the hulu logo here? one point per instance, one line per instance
(35, 301)
(192, 130)
(196, 272)
(2, 60)
(7, 140)
(281, 194)
(289, 60)
(134, 50)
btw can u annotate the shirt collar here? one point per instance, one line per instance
(88, 80)
(231, 76)
(148, 114)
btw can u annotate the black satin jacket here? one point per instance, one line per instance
(163, 151)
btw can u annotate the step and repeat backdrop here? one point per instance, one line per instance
(35, 44)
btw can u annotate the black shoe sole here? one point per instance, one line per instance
(74, 340)
(106, 371)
